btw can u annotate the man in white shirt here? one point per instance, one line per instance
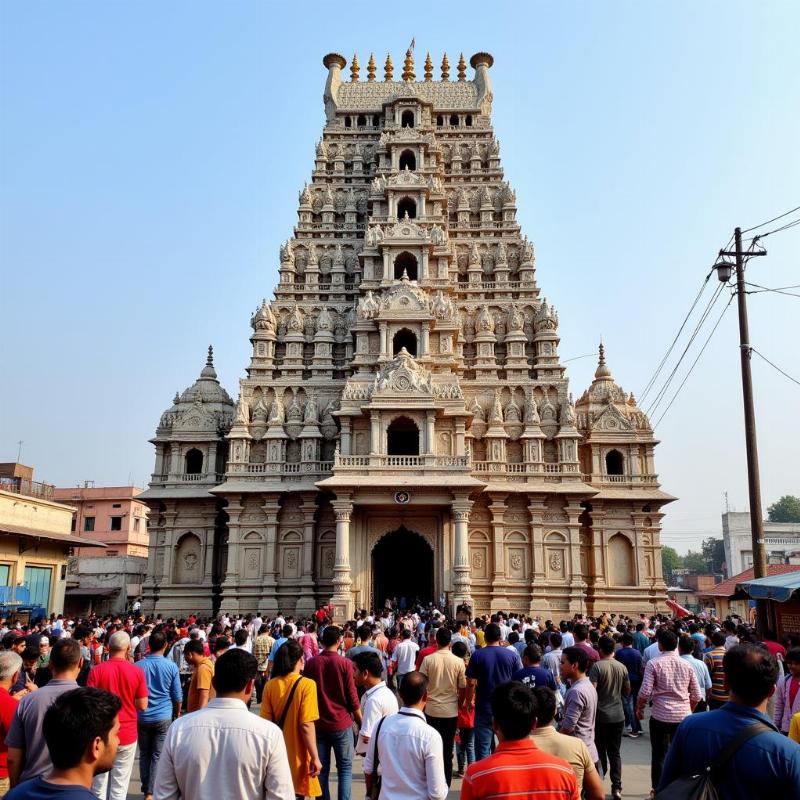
(377, 702)
(201, 747)
(409, 751)
(405, 655)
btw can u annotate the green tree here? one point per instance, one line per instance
(714, 553)
(787, 509)
(670, 561)
(695, 562)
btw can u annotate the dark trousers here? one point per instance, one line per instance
(661, 734)
(151, 737)
(608, 739)
(447, 729)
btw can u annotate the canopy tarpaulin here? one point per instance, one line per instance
(677, 609)
(774, 587)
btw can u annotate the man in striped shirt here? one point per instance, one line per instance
(718, 695)
(672, 686)
(518, 770)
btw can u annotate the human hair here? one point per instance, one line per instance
(555, 640)
(443, 636)
(793, 655)
(413, 688)
(752, 672)
(513, 709)
(369, 662)
(331, 635)
(9, 640)
(718, 638)
(513, 637)
(640, 626)
(533, 653)
(287, 656)
(30, 654)
(545, 705)
(405, 633)
(119, 642)
(606, 645)
(240, 637)
(364, 632)
(193, 646)
(460, 649)
(233, 670)
(576, 656)
(74, 720)
(627, 639)
(729, 625)
(10, 663)
(157, 641)
(581, 632)
(65, 654)
(287, 631)
(666, 639)
(685, 645)
(263, 629)
(492, 632)
(221, 643)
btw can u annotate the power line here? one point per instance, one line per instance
(665, 386)
(653, 379)
(762, 224)
(694, 363)
(778, 290)
(774, 366)
(785, 227)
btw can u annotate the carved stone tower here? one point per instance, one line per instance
(405, 427)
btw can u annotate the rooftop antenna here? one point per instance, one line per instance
(19, 451)
(727, 505)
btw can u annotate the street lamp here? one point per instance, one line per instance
(724, 270)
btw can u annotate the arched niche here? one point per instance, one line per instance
(251, 549)
(406, 206)
(404, 338)
(615, 463)
(402, 437)
(620, 561)
(408, 160)
(193, 462)
(405, 263)
(407, 119)
(188, 564)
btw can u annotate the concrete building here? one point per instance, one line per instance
(781, 541)
(109, 579)
(35, 543)
(405, 426)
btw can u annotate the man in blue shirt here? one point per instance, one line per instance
(532, 673)
(631, 658)
(766, 766)
(163, 705)
(488, 667)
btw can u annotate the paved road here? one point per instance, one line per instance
(635, 774)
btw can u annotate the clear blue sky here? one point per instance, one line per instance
(151, 155)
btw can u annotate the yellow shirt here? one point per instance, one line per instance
(446, 675)
(480, 641)
(201, 679)
(304, 708)
(794, 728)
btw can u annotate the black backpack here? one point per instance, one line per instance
(702, 787)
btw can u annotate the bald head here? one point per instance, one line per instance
(414, 689)
(119, 642)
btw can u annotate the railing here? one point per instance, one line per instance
(400, 462)
(646, 480)
(45, 491)
(499, 467)
(302, 468)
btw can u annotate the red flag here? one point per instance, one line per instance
(677, 609)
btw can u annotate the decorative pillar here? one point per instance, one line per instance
(577, 595)
(342, 600)
(268, 605)
(374, 433)
(305, 602)
(230, 587)
(462, 584)
(540, 604)
(498, 509)
(384, 345)
(430, 432)
(424, 344)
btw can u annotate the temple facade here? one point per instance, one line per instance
(405, 426)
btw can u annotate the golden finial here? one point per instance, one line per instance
(388, 68)
(462, 68)
(354, 69)
(445, 68)
(371, 68)
(408, 66)
(428, 68)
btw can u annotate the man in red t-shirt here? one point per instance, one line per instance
(120, 677)
(10, 667)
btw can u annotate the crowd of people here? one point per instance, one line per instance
(243, 706)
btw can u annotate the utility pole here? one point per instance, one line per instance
(751, 444)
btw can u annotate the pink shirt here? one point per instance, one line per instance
(672, 685)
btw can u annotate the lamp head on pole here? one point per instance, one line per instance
(724, 270)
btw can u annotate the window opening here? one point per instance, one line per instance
(407, 119)
(194, 462)
(407, 206)
(408, 160)
(402, 438)
(614, 463)
(407, 263)
(405, 338)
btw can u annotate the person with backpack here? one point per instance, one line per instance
(290, 701)
(765, 765)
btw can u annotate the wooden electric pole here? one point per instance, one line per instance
(751, 443)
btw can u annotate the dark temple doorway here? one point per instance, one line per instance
(402, 566)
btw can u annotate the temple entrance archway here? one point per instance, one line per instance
(402, 566)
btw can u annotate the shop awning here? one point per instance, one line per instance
(67, 538)
(773, 587)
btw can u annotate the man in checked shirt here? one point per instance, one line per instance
(672, 685)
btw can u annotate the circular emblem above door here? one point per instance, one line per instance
(402, 497)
